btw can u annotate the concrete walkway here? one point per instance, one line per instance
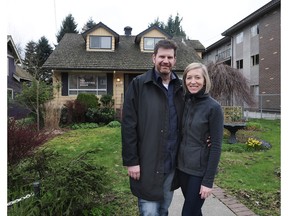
(218, 204)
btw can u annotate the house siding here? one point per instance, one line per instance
(270, 57)
(100, 32)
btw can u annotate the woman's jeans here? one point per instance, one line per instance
(158, 208)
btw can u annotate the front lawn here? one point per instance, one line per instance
(253, 177)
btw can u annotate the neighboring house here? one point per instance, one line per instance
(100, 61)
(16, 76)
(253, 46)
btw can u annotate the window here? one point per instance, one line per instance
(254, 30)
(239, 38)
(10, 94)
(224, 54)
(87, 83)
(149, 43)
(101, 42)
(239, 64)
(255, 60)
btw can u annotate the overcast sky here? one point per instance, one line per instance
(202, 20)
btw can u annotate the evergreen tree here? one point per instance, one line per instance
(157, 23)
(31, 60)
(43, 50)
(89, 24)
(173, 26)
(68, 26)
(35, 56)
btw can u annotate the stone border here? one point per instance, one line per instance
(232, 203)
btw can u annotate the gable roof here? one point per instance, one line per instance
(99, 25)
(154, 27)
(21, 74)
(71, 54)
(13, 50)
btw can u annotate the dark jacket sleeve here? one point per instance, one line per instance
(130, 155)
(216, 133)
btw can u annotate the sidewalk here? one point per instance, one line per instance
(218, 204)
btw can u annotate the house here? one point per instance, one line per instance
(253, 46)
(100, 61)
(16, 76)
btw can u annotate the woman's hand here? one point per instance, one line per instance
(205, 192)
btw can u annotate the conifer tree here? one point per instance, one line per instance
(43, 50)
(68, 26)
(173, 26)
(88, 25)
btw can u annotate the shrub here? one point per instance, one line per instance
(101, 115)
(107, 101)
(23, 139)
(79, 111)
(255, 126)
(73, 112)
(66, 116)
(68, 188)
(88, 100)
(114, 124)
(84, 126)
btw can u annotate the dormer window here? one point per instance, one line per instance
(100, 42)
(149, 42)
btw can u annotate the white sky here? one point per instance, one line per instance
(203, 20)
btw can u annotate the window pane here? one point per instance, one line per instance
(101, 42)
(239, 38)
(157, 39)
(72, 92)
(90, 83)
(94, 42)
(100, 92)
(10, 93)
(254, 30)
(87, 82)
(102, 82)
(106, 42)
(73, 81)
(148, 43)
(239, 64)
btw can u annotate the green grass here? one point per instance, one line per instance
(107, 143)
(253, 177)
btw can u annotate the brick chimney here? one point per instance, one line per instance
(127, 30)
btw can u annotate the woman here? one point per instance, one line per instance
(197, 160)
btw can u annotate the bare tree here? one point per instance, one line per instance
(229, 85)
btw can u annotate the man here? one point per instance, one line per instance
(152, 112)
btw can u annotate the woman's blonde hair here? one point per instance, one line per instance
(196, 65)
